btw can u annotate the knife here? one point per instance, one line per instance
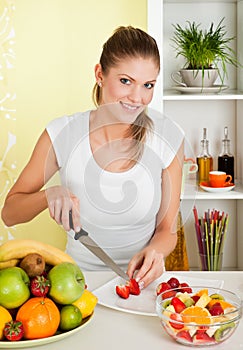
(89, 243)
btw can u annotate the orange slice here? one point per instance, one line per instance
(223, 303)
(201, 292)
(196, 314)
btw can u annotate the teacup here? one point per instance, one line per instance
(189, 167)
(195, 78)
(219, 179)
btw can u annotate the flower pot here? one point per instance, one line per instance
(195, 78)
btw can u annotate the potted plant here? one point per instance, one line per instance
(205, 52)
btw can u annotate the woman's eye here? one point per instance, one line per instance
(125, 81)
(149, 85)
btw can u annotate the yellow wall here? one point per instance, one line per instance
(58, 42)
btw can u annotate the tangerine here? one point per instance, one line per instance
(196, 314)
(223, 303)
(5, 316)
(40, 317)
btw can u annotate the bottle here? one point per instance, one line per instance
(204, 160)
(225, 158)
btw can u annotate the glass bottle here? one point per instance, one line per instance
(225, 158)
(204, 160)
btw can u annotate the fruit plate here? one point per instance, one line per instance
(37, 342)
(144, 304)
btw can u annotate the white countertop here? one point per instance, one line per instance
(111, 329)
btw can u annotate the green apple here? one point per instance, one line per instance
(14, 287)
(67, 283)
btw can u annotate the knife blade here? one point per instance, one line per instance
(89, 243)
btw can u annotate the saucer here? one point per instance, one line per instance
(206, 187)
(198, 90)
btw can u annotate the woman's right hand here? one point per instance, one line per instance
(60, 202)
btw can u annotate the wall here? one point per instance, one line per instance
(56, 44)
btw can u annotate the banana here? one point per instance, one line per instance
(19, 248)
(9, 263)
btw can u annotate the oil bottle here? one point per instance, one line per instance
(225, 158)
(204, 160)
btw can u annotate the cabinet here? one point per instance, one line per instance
(213, 111)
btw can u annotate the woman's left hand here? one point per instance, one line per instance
(149, 265)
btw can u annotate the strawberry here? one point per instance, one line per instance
(216, 309)
(203, 337)
(195, 298)
(185, 287)
(39, 286)
(179, 306)
(13, 330)
(134, 287)
(185, 335)
(176, 325)
(173, 282)
(123, 291)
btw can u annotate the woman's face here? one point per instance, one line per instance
(131, 83)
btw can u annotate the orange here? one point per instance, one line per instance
(201, 292)
(5, 316)
(196, 314)
(86, 303)
(223, 303)
(40, 317)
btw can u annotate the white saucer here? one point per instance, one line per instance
(198, 90)
(208, 188)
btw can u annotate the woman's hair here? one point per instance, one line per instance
(129, 42)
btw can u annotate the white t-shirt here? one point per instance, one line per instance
(117, 209)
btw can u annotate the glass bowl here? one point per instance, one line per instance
(203, 316)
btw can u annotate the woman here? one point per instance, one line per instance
(120, 169)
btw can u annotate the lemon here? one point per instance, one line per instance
(5, 316)
(86, 303)
(71, 317)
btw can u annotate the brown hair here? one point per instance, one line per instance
(127, 42)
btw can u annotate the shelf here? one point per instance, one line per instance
(192, 191)
(172, 95)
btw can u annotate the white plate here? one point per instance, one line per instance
(217, 189)
(198, 90)
(37, 342)
(143, 304)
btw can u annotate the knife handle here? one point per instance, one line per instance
(77, 234)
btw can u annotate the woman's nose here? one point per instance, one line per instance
(135, 94)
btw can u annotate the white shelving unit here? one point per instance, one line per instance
(196, 111)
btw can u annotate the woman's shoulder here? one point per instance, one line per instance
(58, 124)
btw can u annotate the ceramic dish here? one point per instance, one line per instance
(144, 304)
(206, 187)
(197, 90)
(37, 342)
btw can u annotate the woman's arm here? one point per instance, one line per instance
(150, 261)
(26, 199)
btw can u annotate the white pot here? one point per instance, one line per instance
(194, 78)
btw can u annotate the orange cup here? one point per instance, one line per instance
(219, 179)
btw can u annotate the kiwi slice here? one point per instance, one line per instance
(166, 304)
(189, 302)
(217, 296)
(223, 330)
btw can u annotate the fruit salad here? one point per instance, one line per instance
(202, 316)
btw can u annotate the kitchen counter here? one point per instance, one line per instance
(111, 329)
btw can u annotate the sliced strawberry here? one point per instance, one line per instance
(134, 287)
(168, 294)
(203, 337)
(123, 291)
(195, 298)
(216, 309)
(173, 282)
(179, 306)
(184, 287)
(177, 325)
(162, 287)
(13, 330)
(185, 335)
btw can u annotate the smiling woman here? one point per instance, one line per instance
(53, 75)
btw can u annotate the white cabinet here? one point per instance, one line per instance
(196, 111)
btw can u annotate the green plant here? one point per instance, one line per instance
(205, 49)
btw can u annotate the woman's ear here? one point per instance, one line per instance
(98, 73)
